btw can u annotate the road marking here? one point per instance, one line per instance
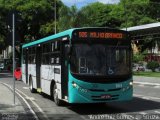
(147, 97)
(35, 116)
(156, 86)
(46, 118)
(26, 88)
(157, 112)
(147, 83)
(30, 98)
(141, 85)
(5, 73)
(30, 109)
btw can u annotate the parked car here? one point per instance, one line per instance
(140, 68)
(1, 66)
(157, 69)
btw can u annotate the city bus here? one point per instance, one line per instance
(80, 65)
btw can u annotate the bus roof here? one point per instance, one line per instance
(61, 34)
(51, 37)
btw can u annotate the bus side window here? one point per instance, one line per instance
(34, 60)
(24, 56)
(57, 60)
(29, 59)
(24, 60)
(52, 60)
(52, 47)
(57, 46)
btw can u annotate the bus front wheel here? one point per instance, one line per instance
(55, 96)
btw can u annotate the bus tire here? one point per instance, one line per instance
(57, 101)
(31, 85)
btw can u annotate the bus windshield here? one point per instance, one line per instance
(100, 60)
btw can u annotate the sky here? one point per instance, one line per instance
(81, 3)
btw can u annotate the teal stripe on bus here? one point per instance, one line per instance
(61, 34)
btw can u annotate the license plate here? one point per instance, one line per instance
(106, 96)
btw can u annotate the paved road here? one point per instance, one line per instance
(146, 101)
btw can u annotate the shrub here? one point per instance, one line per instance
(152, 65)
(138, 58)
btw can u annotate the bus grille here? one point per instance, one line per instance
(99, 98)
(101, 90)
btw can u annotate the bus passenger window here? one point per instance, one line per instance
(52, 47)
(52, 60)
(56, 45)
(29, 61)
(47, 47)
(44, 48)
(34, 60)
(57, 60)
(24, 59)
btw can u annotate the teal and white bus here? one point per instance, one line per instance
(80, 65)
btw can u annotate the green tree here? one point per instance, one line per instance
(98, 15)
(135, 12)
(152, 65)
(137, 58)
(69, 18)
(36, 16)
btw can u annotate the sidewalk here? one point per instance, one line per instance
(146, 80)
(9, 111)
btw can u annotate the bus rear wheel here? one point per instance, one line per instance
(55, 96)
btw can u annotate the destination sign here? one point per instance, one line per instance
(100, 35)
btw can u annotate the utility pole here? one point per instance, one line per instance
(55, 17)
(13, 51)
(125, 11)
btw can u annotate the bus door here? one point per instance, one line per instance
(64, 79)
(26, 65)
(38, 66)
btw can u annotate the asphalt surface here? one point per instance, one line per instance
(13, 108)
(145, 104)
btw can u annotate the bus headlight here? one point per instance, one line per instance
(130, 83)
(74, 84)
(79, 88)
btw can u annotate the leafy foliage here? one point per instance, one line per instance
(138, 57)
(36, 17)
(152, 65)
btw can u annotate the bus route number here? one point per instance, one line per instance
(83, 34)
